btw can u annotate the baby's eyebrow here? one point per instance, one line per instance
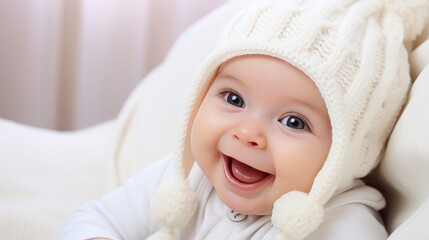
(227, 77)
(224, 75)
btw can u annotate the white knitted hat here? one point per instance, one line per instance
(354, 52)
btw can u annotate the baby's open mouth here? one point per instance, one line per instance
(243, 176)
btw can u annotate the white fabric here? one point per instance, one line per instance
(126, 214)
(45, 175)
(414, 227)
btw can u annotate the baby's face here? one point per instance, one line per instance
(262, 130)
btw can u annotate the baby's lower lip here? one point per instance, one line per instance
(237, 184)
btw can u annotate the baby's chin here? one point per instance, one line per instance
(246, 206)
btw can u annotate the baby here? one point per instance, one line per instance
(291, 109)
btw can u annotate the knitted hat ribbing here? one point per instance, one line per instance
(354, 52)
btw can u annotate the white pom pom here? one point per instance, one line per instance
(161, 235)
(414, 14)
(296, 215)
(174, 204)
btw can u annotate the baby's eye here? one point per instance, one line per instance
(294, 122)
(234, 99)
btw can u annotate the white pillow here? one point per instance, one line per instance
(45, 175)
(405, 167)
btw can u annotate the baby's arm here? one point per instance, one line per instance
(121, 214)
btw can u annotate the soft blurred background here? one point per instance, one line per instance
(70, 64)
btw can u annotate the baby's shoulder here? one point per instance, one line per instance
(352, 221)
(353, 214)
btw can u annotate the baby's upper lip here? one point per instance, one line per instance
(248, 162)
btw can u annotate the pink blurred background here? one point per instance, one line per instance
(69, 64)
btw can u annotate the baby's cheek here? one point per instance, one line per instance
(201, 137)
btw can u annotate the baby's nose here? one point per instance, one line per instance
(250, 134)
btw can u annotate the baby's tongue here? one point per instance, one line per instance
(245, 173)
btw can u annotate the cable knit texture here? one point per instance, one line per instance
(354, 52)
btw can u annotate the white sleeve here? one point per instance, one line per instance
(351, 222)
(353, 214)
(123, 213)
